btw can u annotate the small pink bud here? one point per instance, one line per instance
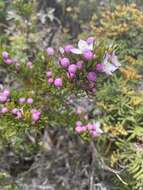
(50, 81)
(65, 62)
(91, 76)
(49, 74)
(22, 100)
(3, 98)
(78, 129)
(88, 55)
(50, 51)
(6, 92)
(68, 48)
(30, 100)
(72, 68)
(15, 110)
(4, 110)
(18, 114)
(58, 82)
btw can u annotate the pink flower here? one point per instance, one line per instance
(79, 65)
(5, 55)
(49, 74)
(72, 68)
(30, 100)
(22, 100)
(68, 48)
(4, 110)
(3, 98)
(18, 114)
(88, 55)
(65, 62)
(71, 75)
(15, 110)
(50, 51)
(91, 76)
(35, 115)
(8, 61)
(6, 93)
(90, 127)
(58, 82)
(50, 81)
(78, 129)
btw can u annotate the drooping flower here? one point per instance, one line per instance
(82, 47)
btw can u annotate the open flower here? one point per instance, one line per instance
(83, 46)
(110, 63)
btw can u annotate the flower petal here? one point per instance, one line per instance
(115, 60)
(83, 45)
(76, 51)
(109, 68)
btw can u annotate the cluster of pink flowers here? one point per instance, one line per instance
(17, 112)
(92, 130)
(80, 63)
(6, 58)
(4, 96)
(57, 81)
(9, 61)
